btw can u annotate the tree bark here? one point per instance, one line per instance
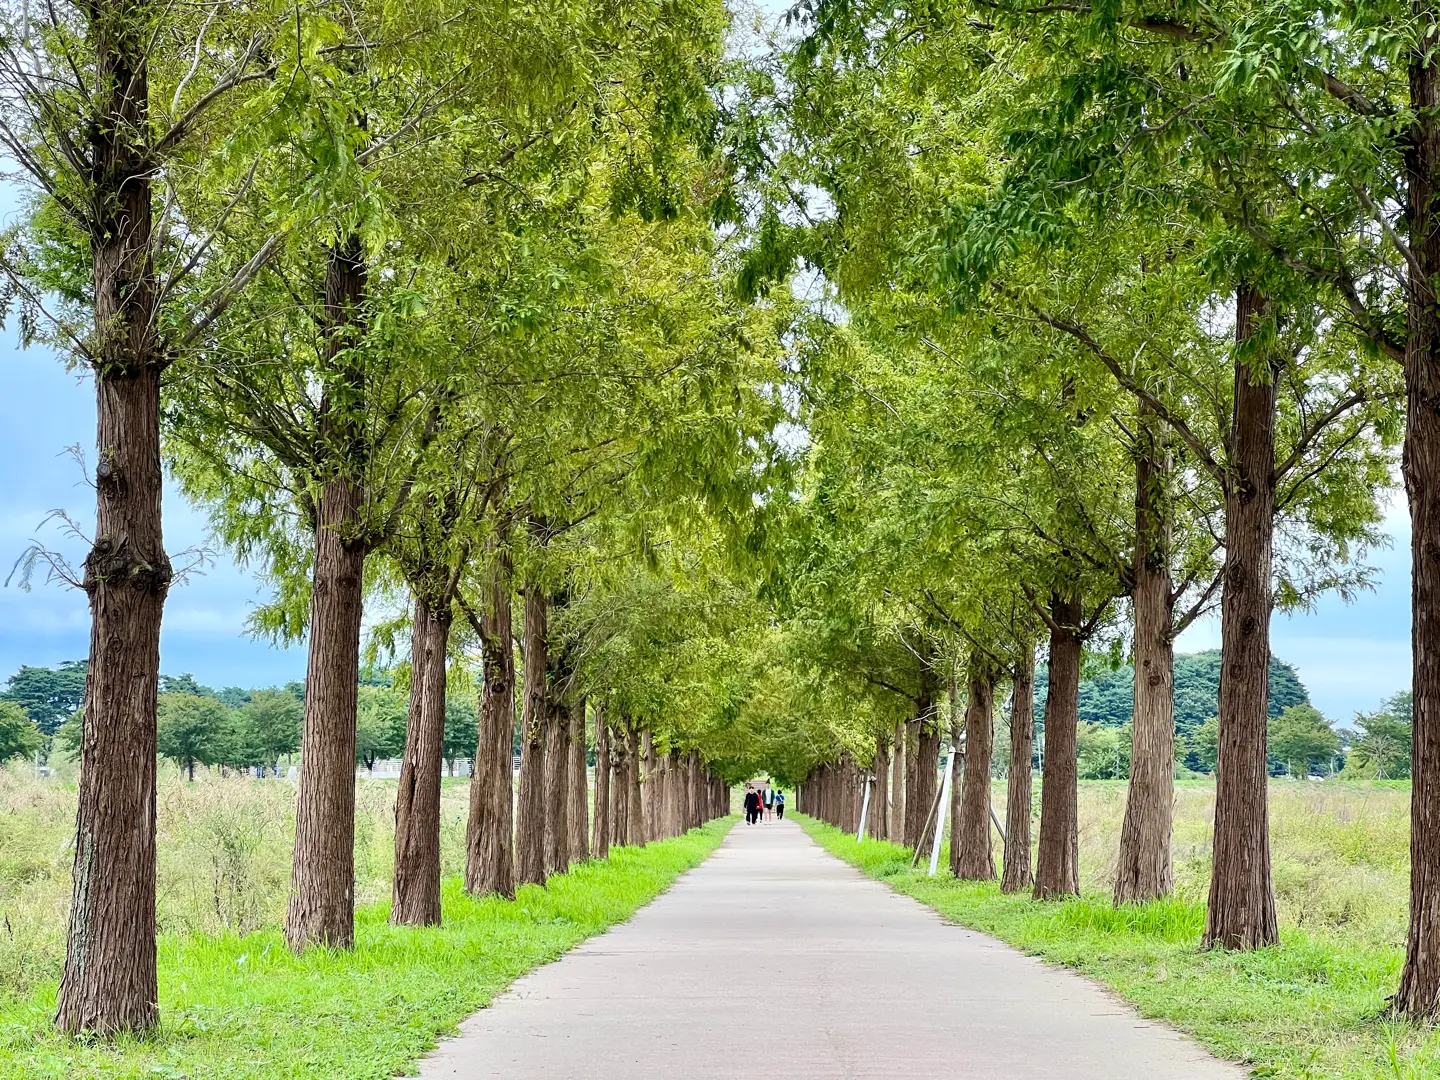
(971, 855)
(1241, 913)
(879, 824)
(322, 877)
(695, 815)
(898, 796)
(620, 787)
(927, 753)
(557, 773)
(578, 813)
(109, 983)
(636, 831)
(530, 812)
(416, 890)
(1016, 875)
(602, 785)
(649, 788)
(489, 830)
(1057, 871)
(914, 811)
(1418, 996)
(1144, 872)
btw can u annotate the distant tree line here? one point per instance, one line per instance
(1302, 742)
(229, 728)
(1107, 697)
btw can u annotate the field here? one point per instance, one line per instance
(1311, 1009)
(235, 1003)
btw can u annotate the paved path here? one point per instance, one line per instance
(775, 959)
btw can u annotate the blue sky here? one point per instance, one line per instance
(45, 410)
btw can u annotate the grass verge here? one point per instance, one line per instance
(238, 1006)
(1308, 1010)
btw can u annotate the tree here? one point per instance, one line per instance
(1302, 738)
(1104, 753)
(1384, 742)
(268, 728)
(1205, 744)
(19, 737)
(129, 89)
(49, 696)
(461, 730)
(193, 729)
(380, 725)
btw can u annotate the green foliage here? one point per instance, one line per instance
(1382, 747)
(1303, 740)
(194, 730)
(48, 695)
(462, 728)
(267, 728)
(1102, 753)
(1108, 699)
(19, 737)
(1204, 745)
(380, 728)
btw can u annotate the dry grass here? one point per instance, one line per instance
(223, 859)
(1340, 852)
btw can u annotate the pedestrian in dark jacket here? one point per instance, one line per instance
(752, 807)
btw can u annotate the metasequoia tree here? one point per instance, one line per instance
(110, 110)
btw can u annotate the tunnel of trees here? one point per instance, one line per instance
(717, 403)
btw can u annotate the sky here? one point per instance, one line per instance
(45, 411)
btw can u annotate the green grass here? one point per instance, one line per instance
(1310, 1009)
(243, 1006)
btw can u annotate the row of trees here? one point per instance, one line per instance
(1120, 310)
(425, 304)
(492, 320)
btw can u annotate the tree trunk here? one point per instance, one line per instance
(633, 792)
(557, 776)
(602, 785)
(109, 983)
(898, 796)
(649, 788)
(971, 855)
(1057, 871)
(416, 890)
(1418, 996)
(489, 831)
(1016, 875)
(694, 815)
(1144, 870)
(530, 812)
(322, 877)
(1241, 914)
(927, 754)
(879, 824)
(913, 810)
(579, 809)
(620, 787)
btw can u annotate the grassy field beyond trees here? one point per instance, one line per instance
(235, 1002)
(1307, 1010)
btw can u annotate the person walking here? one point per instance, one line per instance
(752, 806)
(780, 805)
(769, 803)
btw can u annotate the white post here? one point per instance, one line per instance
(943, 812)
(864, 810)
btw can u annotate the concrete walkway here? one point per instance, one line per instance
(776, 960)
